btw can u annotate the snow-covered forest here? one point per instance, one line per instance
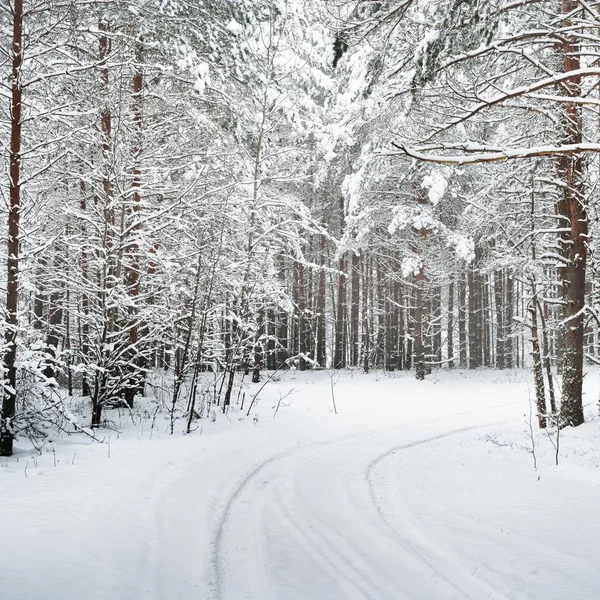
(336, 260)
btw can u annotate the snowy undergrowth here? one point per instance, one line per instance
(371, 401)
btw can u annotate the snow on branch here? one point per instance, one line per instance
(495, 155)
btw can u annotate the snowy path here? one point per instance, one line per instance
(345, 520)
(378, 504)
(309, 524)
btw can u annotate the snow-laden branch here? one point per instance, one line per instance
(495, 155)
(518, 92)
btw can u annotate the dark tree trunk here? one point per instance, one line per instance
(55, 318)
(400, 298)
(339, 354)
(84, 325)
(418, 328)
(572, 211)
(302, 321)
(321, 354)
(354, 311)
(436, 305)
(134, 381)
(508, 319)
(410, 324)
(462, 322)
(499, 301)
(366, 349)
(387, 309)
(450, 344)
(14, 219)
(474, 342)
(395, 319)
(283, 352)
(486, 321)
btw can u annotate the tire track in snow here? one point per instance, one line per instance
(422, 545)
(219, 551)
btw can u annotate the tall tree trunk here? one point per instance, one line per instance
(418, 325)
(339, 354)
(381, 318)
(436, 307)
(571, 210)
(486, 321)
(400, 298)
(14, 220)
(366, 346)
(283, 351)
(84, 325)
(450, 329)
(462, 321)
(135, 380)
(474, 342)
(354, 311)
(538, 373)
(547, 359)
(302, 321)
(509, 311)
(55, 318)
(321, 354)
(499, 300)
(395, 313)
(410, 326)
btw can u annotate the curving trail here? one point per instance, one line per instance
(362, 518)
(379, 502)
(308, 523)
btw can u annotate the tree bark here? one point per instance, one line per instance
(321, 353)
(354, 311)
(134, 383)
(571, 210)
(419, 348)
(450, 328)
(462, 321)
(14, 221)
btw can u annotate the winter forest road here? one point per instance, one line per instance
(316, 522)
(406, 513)
(401, 496)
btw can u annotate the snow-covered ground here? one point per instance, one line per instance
(416, 490)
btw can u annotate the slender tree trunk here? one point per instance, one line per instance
(538, 373)
(379, 354)
(366, 347)
(547, 359)
(400, 299)
(135, 380)
(462, 321)
(436, 304)
(508, 319)
(473, 325)
(418, 325)
(499, 299)
(55, 318)
(450, 329)
(486, 321)
(338, 360)
(354, 311)
(84, 325)
(321, 354)
(410, 326)
(283, 352)
(302, 325)
(14, 219)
